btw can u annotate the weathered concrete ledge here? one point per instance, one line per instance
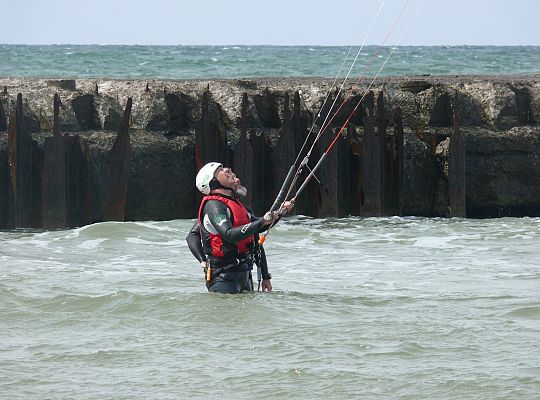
(175, 126)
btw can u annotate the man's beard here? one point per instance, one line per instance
(240, 192)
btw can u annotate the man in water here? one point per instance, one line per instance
(225, 237)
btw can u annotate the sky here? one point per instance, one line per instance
(274, 22)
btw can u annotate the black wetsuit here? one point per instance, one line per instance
(232, 272)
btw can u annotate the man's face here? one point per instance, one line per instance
(227, 178)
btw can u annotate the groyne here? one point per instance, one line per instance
(78, 151)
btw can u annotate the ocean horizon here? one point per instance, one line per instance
(253, 61)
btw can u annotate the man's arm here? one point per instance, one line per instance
(263, 264)
(193, 240)
(285, 209)
(216, 213)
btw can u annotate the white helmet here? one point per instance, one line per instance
(205, 175)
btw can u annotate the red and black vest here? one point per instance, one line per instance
(215, 245)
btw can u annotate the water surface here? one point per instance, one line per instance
(372, 308)
(202, 62)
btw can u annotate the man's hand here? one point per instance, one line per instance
(269, 217)
(266, 285)
(286, 207)
(203, 264)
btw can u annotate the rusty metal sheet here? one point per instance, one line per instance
(53, 184)
(119, 171)
(56, 113)
(385, 160)
(78, 192)
(53, 177)
(398, 166)
(210, 135)
(456, 168)
(20, 170)
(243, 154)
(371, 171)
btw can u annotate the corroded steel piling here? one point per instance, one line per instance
(384, 160)
(292, 135)
(119, 171)
(243, 154)
(398, 166)
(371, 165)
(53, 183)
(456, 168)
(210, 137)
(78, 190)
(252, 163)
(56, 113)
(284, 153)
(261, 184)
(308, 203)
(371, 168)
(20, 170)
(326, 179)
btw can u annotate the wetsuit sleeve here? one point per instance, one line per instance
(193, 240)
(263, 264)
(218, 217)
(263, 227)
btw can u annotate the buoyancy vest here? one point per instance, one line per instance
(240, 216)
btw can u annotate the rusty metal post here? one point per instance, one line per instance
(119, 171)
(369, 103)
(244, 114)
(456, 168)
(326, 192)
(371, 169)
(53, 178)
(345, 161)
(334, 190)
(309, 202)
(20, 170)
(284, 152)
(56, 107)
(386, 184)
(355, 168)
(399, 141)
(243, 153)
(78, 192)
(210, 137)
(252, 158)
(262, 175)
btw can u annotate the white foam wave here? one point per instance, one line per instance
(434, 242)
(158, 226)
(91, 244)
(138, 240)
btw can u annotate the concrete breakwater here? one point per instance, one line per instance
(118, 149)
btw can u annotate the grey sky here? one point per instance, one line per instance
(278, 22)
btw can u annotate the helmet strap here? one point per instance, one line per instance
(215, 184)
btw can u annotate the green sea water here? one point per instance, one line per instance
(202, 62)
(362, 308)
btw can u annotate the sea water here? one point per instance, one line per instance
(362, 308)
(205, 62)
